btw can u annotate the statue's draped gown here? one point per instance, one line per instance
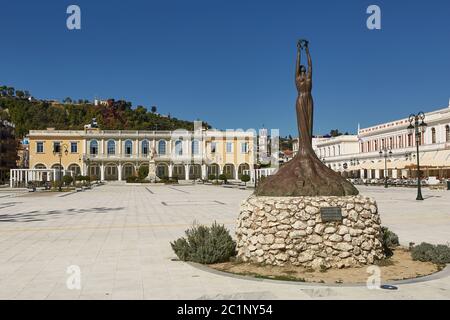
(305, 175)
(305, 107)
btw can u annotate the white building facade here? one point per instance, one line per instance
(358, 156)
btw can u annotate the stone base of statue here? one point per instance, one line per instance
(290, 230)
(152, 177)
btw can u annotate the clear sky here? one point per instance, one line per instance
(231, 62)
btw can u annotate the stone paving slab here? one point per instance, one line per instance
(119, 236)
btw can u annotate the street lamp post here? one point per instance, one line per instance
(417, 126)
(58, 151)
(256, 166)
(386, 154)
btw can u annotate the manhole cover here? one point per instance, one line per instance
(388, 287)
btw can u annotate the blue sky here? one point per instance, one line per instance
(231, 63)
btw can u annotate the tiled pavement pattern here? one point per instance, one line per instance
(119, 237)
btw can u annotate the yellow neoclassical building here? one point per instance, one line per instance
(114, 155)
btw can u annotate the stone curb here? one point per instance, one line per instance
(435, 276)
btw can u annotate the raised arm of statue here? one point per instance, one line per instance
(297, 65)
(309, 62)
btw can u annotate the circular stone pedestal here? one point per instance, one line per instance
(280, 231)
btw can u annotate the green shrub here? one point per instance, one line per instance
(223, 177)
(143, 172)
(212, 177)
(55, 185)
(390, 241)
(163, 180)
(427, 252)
(206, 245)
(67, 180)
(132, 179)
(245, 178)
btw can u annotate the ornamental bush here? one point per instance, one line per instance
(223, 177)
(390, 241)
(132, 179)
(143, 172)
(67, 180)
(245, 178)
(206, 245)
(426, 252)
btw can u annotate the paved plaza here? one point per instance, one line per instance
(118, 235)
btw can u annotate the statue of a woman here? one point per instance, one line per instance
(305, 175)
(305, 104)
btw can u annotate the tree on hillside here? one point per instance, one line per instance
(67, 100)
(3, 91)
(10, 91)
(154, 109)
(20, 94)
(38, 115)
(335, 133)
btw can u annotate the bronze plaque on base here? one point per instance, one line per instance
(331, 214)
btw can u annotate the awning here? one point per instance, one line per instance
(399, 164)
(435, 159)
(370, 165)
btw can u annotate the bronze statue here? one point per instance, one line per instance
(305, 175)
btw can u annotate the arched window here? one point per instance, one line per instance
(162, 147)
(179, 147)
(334, 151)
(111, 147)
(447, 133)
(144, 147)
(195, 147)
(128, 148)
(93, 147)
(433, 135)
(76, 170)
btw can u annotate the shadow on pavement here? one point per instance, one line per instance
(34, 216)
